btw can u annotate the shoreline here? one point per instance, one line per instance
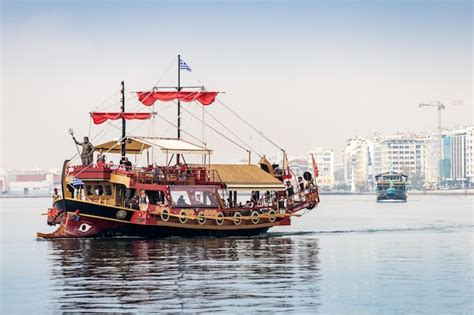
(457, 192)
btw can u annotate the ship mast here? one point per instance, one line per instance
(122, 108)
(179, 104)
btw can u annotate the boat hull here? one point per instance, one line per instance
(396, 196)
(85, 219)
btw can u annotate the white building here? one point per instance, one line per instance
(432, 160)
(35, 188)
(458, 156)
(399, 153)
(470, 155)
(325, 161)
(357, 163)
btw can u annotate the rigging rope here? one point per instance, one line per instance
(232, 133)
(250, 125)
(244, 121)
(217, 131)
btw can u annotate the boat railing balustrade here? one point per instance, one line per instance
(163, 175)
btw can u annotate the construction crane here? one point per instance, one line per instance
(440, 107)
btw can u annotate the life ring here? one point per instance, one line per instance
(165, 214)
(237, 218)
(201, 218)
(181, 219)
(255, 218)
(272, 216)
(220, 218)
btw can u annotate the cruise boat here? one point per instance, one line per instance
(177, 198)
(391, 186)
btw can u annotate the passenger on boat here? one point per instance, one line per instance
(301, 183)
(143, 201)
(112, 166)
(198, 201)
(182, 169)
(101, 158)
(125, 164)
(267, 198)
(56, 195)
(181, 202)
(87, 153)
(281, 203)
(290, 190)
(254, 198)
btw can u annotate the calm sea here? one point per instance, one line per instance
(351, 255)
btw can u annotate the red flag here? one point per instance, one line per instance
(315, 166)
(286, 168)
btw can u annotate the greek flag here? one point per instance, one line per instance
(184, 66)
(77, 182)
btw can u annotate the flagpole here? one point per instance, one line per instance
(179, 104)
(123, 150)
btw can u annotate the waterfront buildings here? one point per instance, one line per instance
(455, 165)
(431, 161)
(325, 161)
(357, 164)
(29, 183)
(401, 153)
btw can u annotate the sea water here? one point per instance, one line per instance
(350, 255)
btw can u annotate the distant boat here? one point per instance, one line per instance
(391, 186)
(177, 198)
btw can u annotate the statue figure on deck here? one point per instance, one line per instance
(87, 153)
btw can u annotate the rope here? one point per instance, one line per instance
(250, 125)
(97, 107)
(166, 72)
(232, 133)
(182, 130)
(244, 121)
(217, 131)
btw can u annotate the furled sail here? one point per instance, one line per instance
(149, 98)
(101, 117)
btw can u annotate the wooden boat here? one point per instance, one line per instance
(100, 200)
(391, 186)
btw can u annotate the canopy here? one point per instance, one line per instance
(149, 98)
(132, 146)
(243, 177)
(135, 145)
(100, 118)
(175, 146)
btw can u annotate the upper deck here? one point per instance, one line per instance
(391, 178)
(151, 175)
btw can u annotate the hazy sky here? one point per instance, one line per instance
(307, 73)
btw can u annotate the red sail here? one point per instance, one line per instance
(149, 98)
(100, 118)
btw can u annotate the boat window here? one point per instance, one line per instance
(108, 190)
(194, 197)
(98, 191)
(88, 190)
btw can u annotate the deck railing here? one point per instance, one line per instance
(161, 175)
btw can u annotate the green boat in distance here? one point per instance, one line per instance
(391, 186)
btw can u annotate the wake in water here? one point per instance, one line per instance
(436, 228)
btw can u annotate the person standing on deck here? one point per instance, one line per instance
(87, 153)
(143, 201)
(101, 158)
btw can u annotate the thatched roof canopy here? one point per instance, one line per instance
(246, 177)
